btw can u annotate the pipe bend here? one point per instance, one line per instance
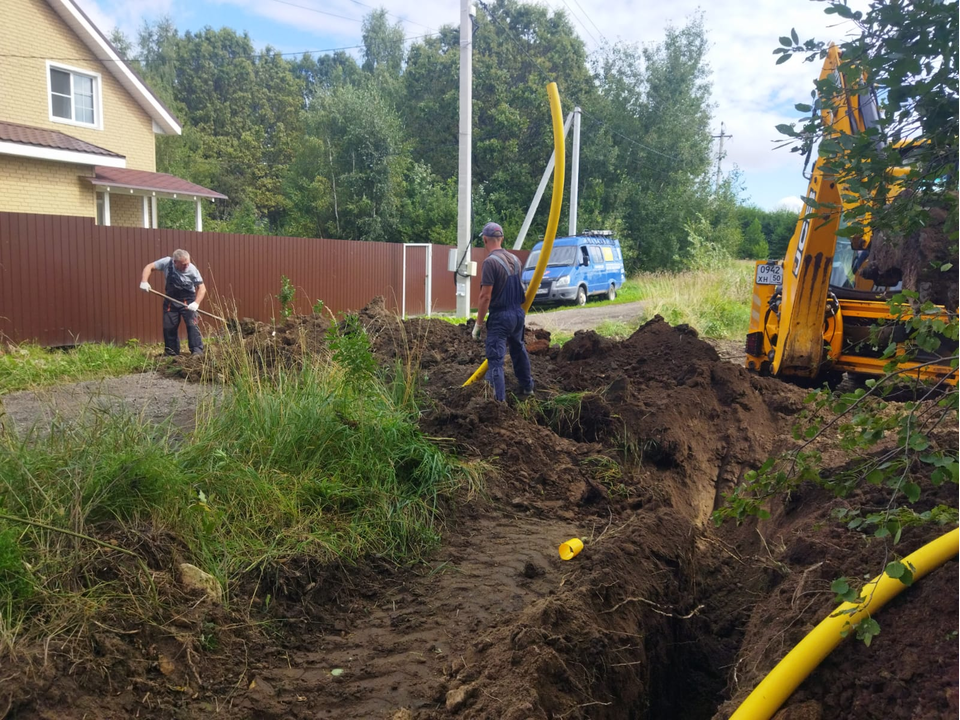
(556, 201)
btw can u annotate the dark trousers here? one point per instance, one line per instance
(505, 329)
(172, 312)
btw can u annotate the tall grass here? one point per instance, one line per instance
(27, 365)
(715, 302)
(323, 459)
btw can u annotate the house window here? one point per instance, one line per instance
(74, 96)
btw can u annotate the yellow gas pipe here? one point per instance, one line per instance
(776, 687)
(553, 220)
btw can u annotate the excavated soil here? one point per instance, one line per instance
(630, 446)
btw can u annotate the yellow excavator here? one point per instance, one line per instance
(812, 312)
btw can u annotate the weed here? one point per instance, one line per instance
(286, 295)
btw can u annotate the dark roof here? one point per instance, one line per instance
(143, 180)
(38, 137)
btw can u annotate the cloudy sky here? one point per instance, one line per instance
(752, 94)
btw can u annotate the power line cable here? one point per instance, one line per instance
(316, 10)
(575, 17)
(283, 54)
(398, 17)
(592, 22)
(544, 73)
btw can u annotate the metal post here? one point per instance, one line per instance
(532, 210)
(199, 216)
(106, 208)
(146, 211)
(575, 173)
(153, 211)
(464, 174)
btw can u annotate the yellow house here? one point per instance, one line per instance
(77, 124)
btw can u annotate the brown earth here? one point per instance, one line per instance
(629, 446)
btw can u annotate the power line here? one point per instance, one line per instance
(549, 79)
(591, 21)
(401, 19)
(283, 54)
(343, 17)
(574, 15)
(320, 12)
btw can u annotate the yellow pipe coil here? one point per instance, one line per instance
(553, 220)
(776, 687)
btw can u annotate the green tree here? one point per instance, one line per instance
(659, 99)
(754, 244)
(347, 179)
(778, 227)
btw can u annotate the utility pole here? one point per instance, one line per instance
(721, 136)
(575, 173)
(465, 170)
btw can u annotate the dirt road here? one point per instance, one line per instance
(584, 318)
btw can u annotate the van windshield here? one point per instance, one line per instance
(559, 257)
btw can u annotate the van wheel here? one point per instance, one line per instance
(581, 296)
(612, 292)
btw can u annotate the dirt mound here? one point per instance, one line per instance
(628, 445)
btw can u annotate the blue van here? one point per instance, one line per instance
(579, 266)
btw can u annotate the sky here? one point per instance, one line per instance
(751, 93)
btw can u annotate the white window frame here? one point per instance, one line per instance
(97, 123)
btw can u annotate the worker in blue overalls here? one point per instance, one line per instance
(502, 293)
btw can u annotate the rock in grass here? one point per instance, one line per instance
(193, 578)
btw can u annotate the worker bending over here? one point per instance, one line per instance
(183, 284)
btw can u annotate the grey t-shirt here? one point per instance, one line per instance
(186, 280)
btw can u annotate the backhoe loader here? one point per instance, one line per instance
(813, 315)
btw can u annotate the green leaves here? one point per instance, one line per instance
(842, 589)
(900, 571)
(867, 630)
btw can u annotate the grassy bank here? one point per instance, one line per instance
(28, 366)
(715, 302)
(325, 461)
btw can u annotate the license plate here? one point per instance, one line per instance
(769, 275)
(542, 291)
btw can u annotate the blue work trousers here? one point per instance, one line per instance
(505, 329)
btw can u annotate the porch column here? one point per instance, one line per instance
(153, 208)
(146, 211)
(106, 208)
(199, 216)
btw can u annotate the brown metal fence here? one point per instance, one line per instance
(65, 280)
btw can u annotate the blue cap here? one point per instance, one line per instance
(492, 230)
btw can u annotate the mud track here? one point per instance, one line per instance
(628, 445)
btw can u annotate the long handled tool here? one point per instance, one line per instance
(180, 302)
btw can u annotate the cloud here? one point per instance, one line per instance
(792, 202)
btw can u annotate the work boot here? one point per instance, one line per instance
(526, 392)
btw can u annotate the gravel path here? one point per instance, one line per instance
(149, 395)
(584, 318)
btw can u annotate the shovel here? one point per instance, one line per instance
(180, 302)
